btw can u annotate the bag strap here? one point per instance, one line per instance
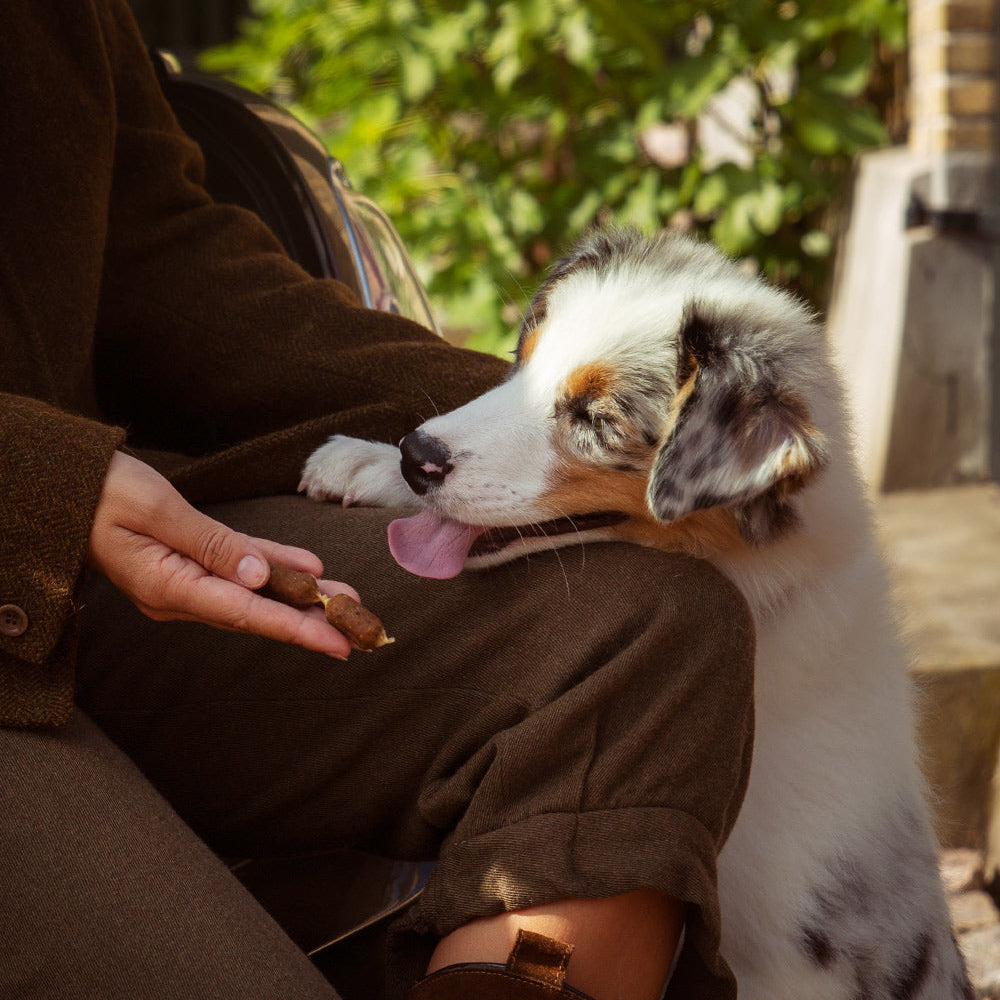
(538, 957)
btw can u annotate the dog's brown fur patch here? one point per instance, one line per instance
(528, 344)
(684, 393)
(582, 488)
(590, 381)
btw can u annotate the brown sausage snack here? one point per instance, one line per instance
(355, 621)
(301, 590)
(291, 586)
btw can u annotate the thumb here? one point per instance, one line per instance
(228, 554)
(252, 571)
(219, 549)
(143, 501)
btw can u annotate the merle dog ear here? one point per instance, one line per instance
(741, 438)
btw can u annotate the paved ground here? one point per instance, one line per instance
(975, 919)
(944, 547)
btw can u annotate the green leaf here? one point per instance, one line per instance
(817, 243)
(817, 135)
(849, 75)
(640, 205)
(524, 212)
(710, 195)
(578, 40)
(417, 74)
(768, 208)
(584, 212)
(733, 230)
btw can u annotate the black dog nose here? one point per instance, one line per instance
(425, 461)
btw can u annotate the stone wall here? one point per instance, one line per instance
(914, 312)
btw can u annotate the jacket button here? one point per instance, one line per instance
(13, 621)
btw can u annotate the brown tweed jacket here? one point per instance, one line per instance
(136, 313)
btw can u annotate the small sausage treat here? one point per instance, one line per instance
(301, 590)
(291, 586)
(355, 621)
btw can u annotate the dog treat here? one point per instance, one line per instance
(355, 621)
(301, 590)
(291, 586)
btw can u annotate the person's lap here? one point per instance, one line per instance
(547, 725)
(268, 747)
(107, 893)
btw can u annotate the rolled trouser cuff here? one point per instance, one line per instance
(591, 854)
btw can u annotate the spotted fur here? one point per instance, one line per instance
(656, 379)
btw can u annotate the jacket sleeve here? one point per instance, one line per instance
(211, 336)
(56, 144)
(128, 299)
(50, 480)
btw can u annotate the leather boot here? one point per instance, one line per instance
(535, 970)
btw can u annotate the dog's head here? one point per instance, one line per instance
(659, 394)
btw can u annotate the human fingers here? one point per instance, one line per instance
(289, 555)
(184, 591)
(158, 511)
(138, 500)
(333, 587)
(171, 559)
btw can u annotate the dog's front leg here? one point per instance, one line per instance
(355, 472)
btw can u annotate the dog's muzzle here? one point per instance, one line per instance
(425, 461)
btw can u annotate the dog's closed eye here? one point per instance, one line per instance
(605, 421)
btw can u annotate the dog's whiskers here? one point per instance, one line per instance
(580, 538)
(431, 400)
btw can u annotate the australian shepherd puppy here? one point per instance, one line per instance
(662, 396)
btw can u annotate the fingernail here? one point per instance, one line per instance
(251, 572)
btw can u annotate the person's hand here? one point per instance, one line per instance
(173, 562)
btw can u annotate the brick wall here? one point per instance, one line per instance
(953, 75)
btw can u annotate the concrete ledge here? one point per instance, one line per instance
(943, 546)
(911, 320)
(959, 732)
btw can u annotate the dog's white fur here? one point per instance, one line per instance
(641, 365)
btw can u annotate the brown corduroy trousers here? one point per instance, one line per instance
(576, 723)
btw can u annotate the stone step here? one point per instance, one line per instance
(943, 545)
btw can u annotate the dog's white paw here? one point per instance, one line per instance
(355, 472)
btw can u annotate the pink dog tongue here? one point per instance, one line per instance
(428, 545)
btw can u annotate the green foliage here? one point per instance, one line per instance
(495, 132)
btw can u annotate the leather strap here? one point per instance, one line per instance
(540, 958)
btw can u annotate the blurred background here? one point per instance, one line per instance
(494, 133)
